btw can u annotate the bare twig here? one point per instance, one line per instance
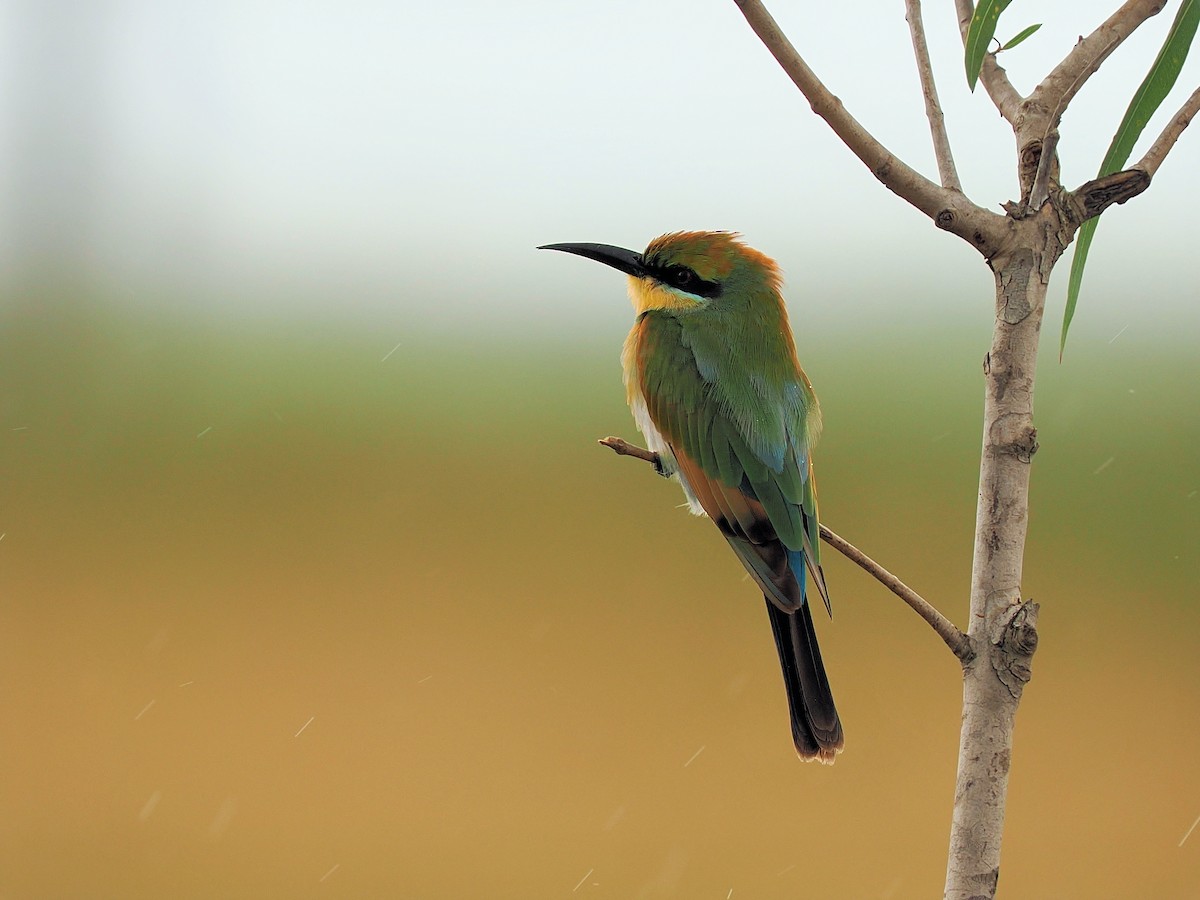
(1057, 89)
(1162, 145)
(992, 76)
(622, 447)
(950, 210)
(958, 642)
(894, 173)
(933, 108)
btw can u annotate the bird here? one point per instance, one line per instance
(715, 387)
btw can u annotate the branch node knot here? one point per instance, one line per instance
(1010, 434)
(1099, 194)
(1014, 639)
(1027, 446)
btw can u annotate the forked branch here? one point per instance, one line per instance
(958, 642)
(949, 209)
(992, 76)
(1049, 100)
(1058, 88)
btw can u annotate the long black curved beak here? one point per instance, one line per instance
(626, 260)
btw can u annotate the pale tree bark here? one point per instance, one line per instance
(1021, 248)
(1002, 628)
(1159, 149)
(933, 107)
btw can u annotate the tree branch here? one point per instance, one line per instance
(958, 642)
(949, 210)
(622, 447)
(1037, 130)
(933, 108)
(993, 77)
(1097, 195)
(1162, 146)
(1064, 81)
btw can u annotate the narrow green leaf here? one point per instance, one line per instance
(1020, 36)
(1083, 243)
(1149, 96)
(979, 35)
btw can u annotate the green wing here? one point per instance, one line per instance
(740, 436)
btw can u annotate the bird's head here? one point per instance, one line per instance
(687, 269)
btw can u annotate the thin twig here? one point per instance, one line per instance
(1162, 145)
(898, 176)
(933, 108)
(958, 642)
(622, 447)
(992, 76)
(950, 210)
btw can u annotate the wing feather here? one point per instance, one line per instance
(752, 474)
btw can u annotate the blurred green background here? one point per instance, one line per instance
(274, 604)
(313, 579)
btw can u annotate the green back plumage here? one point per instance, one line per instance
(721, 384)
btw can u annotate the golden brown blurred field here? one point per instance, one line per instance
(284, 618)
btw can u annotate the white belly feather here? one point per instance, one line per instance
(655, 442)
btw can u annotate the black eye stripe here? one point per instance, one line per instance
(683, 278)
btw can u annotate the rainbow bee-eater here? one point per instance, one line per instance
(713, 382)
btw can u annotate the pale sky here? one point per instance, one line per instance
(407, 158)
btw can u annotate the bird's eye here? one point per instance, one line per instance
(682, 276)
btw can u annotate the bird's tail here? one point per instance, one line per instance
(816, 728)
